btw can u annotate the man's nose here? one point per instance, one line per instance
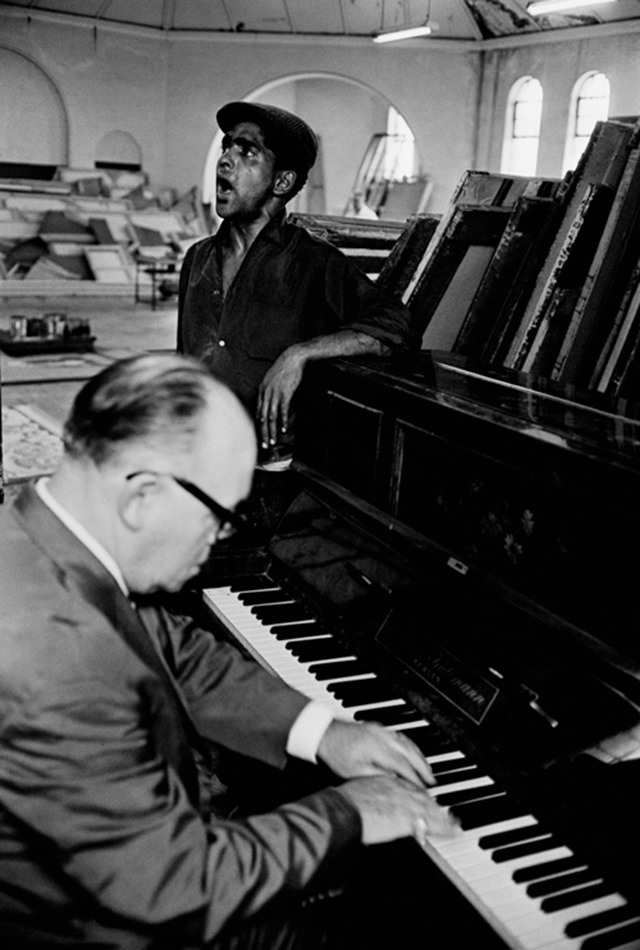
(226, 158)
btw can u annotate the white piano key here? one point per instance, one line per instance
(538, 930)
(480, 781)
(488, 885)
(492, 869)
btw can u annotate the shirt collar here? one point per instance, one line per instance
(273, 229)
(81, 533)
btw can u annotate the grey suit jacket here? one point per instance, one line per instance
(101, 841)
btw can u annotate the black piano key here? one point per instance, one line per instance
(452, 765)
(321, 648)
(359, 692)
(387, 715)
(334, 670)
(451, 777)
(514, 851)
(578, 896)
(618, 937)
(606, 918)
(478, 813)
(252, 597)
(252, 582)
(471, 795)
(297, 631)
(280, 613)
(554, 885)
(430, 740)
(489, 842)
(547, 868)
(279, 628)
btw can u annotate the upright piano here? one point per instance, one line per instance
(461, 564)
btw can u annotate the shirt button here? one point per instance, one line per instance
(222, 342)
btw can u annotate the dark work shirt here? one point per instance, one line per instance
(290, 287)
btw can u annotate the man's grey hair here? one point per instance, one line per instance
(156, 399)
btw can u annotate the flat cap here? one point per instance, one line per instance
(290, 134)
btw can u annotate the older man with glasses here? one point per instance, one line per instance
(104, 708)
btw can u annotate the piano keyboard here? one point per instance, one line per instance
(535, 891)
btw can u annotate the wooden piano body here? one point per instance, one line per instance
(469, 537)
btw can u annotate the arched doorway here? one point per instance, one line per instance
(331, 104)
(43, 140)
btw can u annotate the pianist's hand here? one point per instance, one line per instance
(391, 808)
(353, 749)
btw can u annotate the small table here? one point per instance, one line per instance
(157, 270)
(38, 345)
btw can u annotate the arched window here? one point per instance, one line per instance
(522, 128)
(589, 104)
(400, 147)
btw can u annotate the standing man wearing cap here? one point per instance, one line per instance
(261, 297)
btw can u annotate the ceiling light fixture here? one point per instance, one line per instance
(404, 32)
(540, 7)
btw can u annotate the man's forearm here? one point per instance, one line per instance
(340, 343)
(283, 378)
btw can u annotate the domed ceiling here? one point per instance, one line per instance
(472, 21)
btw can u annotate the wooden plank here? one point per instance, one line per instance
(367, 242)
(478, 189)
(110, 264)
(625, 380)
(618, 352)
(344, 231)
(550, 319)
(586, 333)
(1, 460)
(509, 278)
(60, 226)
(444, 326)
(465, 245)
(602, 163)
(403, 258)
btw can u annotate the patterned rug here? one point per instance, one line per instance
(31, 443)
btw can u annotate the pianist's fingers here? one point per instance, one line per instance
(390, 808)
(353, 749)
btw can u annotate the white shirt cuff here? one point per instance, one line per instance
(308, 730)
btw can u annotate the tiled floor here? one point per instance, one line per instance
(121, 328)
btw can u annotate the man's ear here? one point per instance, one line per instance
(284, 182)
(136, 498)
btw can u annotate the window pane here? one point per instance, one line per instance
(520, 147)
(591, 106)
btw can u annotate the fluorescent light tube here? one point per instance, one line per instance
(541, 7)
(404, 33)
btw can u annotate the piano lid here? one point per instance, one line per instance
(522, 486)
(546, 409)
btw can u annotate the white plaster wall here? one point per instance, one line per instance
(435, 94)
(557, 66)
(112, 81)
(164, 91)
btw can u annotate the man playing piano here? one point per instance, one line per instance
(262, 297)
(106, 698)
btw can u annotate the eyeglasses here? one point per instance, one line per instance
(230, 521)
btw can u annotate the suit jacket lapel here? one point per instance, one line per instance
(78, 568)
